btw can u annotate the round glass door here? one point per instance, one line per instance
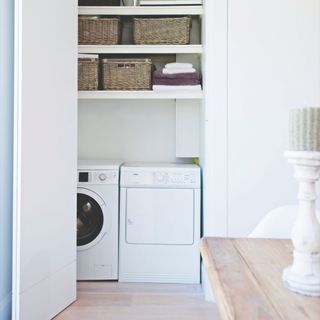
(89, 219)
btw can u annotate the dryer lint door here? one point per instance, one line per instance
(160, 216)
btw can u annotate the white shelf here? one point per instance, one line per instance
(140, 49)
(124, 95)
(137, 11)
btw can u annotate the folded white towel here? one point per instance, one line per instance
(177, 71)
(176, 88)
(179, 65)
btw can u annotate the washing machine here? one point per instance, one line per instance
(160, 223)
(97, 220)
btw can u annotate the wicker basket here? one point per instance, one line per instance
(126, 74)
(88, 67)
(99, 2)
(97, 30)
(161, 30)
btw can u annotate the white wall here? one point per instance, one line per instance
(273, 65)
(6, 153)
(129, 130)
(214, 118)
(261, 59)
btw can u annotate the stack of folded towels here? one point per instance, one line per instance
(176, 76)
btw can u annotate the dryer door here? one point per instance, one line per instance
(90, 218)
(160, 216)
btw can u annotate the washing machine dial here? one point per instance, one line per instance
(102, 177)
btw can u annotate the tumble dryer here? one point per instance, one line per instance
(159, 223)
(97, 220)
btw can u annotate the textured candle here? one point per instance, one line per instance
(304, 129)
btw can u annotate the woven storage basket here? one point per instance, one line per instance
(126, 74)
(161, 30)
(88, 73)
(99, 2)
(97, 30)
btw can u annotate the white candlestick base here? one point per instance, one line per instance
(300, 281)
(303, 276)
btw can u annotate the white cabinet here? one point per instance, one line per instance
(266, 55)
(273, 65)
(44, 264)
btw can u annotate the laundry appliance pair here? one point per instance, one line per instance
(152, 236)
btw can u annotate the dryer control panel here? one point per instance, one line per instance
(98, 177)
(161, 178)
(166, 178)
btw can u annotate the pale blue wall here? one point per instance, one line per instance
(6, 147)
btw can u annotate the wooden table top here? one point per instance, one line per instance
(246, 278)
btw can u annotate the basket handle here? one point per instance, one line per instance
(126, 65)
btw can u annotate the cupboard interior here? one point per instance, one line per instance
(141, 130)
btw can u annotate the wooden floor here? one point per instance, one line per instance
(128, 301)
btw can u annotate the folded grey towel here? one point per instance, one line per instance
(176, 82)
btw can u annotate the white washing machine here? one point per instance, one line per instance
(160, 223)
(97, 220)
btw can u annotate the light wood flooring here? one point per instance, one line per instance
(136, 301)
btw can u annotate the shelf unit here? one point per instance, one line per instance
(141, 49)
(187, 103)
(143, 95)
(142, 11)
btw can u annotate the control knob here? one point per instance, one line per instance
(161, 177)
(102, 176)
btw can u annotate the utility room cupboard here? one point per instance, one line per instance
(257, 58)
(145, 125)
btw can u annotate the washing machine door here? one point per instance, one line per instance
(90, 218)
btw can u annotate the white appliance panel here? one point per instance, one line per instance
(159, 263)
(100, 261)
(160, 176)
(98, 258)
(93, 177)
(160, 223)
(160, 216)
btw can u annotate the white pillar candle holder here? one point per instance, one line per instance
(303, 276)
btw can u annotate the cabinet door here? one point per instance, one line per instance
(274, 65)
(44, 266)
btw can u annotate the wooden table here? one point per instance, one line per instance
(245, 275)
